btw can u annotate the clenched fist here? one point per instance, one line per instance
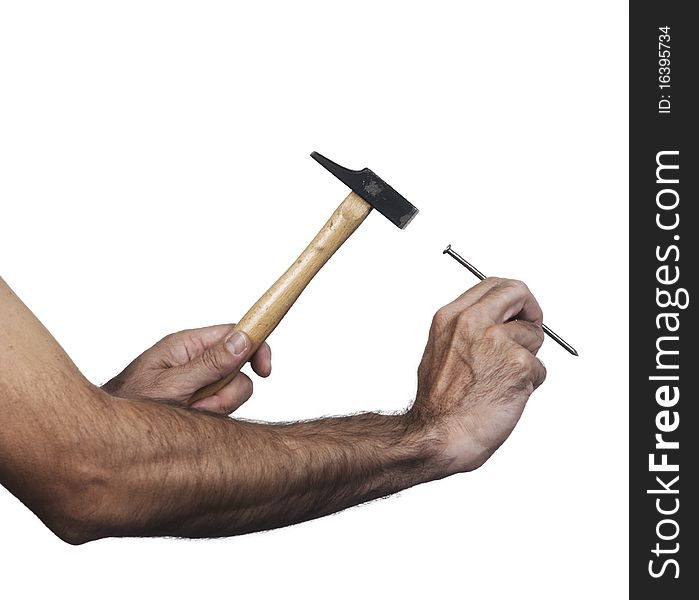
(182, 363)
(479, 369)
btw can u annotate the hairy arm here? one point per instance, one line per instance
(90, 467)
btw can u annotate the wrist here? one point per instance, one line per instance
(427, 439)
(450, 447)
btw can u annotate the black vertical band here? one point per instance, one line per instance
(664, 338)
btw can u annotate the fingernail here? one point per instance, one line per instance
(237, 343)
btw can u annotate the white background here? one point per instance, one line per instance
(154, 176)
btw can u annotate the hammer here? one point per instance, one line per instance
(368, 191)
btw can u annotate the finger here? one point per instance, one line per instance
(261, 361)
(538, 372)
(228, 399)
(526, 334)
(531, 368)
(509, 299)
(219, 360)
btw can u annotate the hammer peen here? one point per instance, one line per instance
(368, 191)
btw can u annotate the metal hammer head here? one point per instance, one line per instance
(374, 190)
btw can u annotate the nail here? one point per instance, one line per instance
(237, 343)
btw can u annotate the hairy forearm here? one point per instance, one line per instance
(92, 467)
(157, 470)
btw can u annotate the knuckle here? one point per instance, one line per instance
(519, 285)
(466, 320)
(496, 332)
(441, 318)
(522, 360)
(493, 282)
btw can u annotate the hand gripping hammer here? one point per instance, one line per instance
(368, 191)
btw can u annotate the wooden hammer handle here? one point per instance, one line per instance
(270, 309)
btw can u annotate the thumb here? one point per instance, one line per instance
(220, 360)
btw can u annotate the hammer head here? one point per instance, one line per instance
(374, 190)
